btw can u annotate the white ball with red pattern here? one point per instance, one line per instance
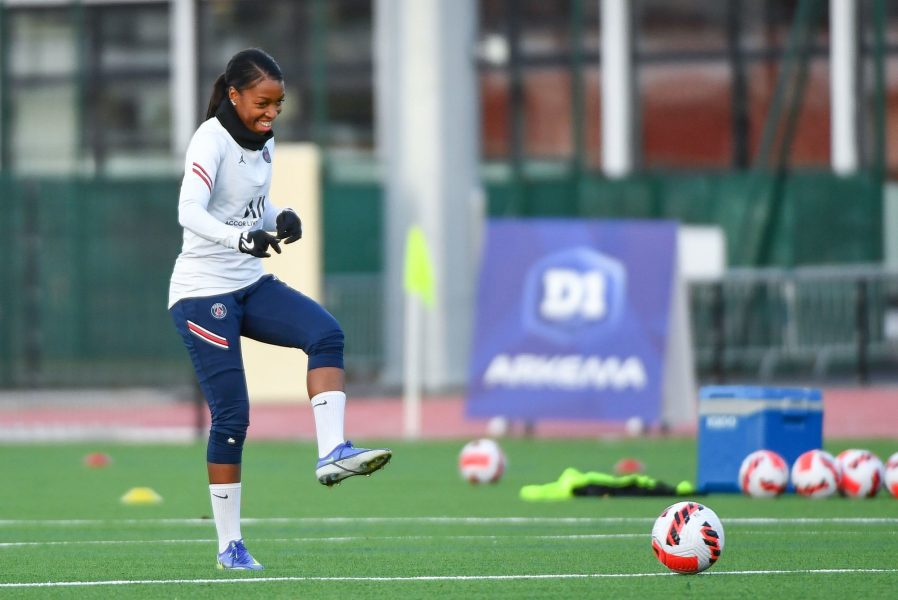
(481, 461)
(862, 473)
(891, 477)
(815, 474)
(687, 537)
(763, 474)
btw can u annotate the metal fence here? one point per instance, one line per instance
(356, 300)
(809, 324)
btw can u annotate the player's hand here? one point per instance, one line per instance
(289, 226)
(257, 243)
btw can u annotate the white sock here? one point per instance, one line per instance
(226, 510)
(328, 408)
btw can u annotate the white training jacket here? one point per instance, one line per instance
(224, 193)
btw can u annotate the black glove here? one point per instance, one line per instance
(289, 226)
(257, 242)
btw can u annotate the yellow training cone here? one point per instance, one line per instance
(141, 495)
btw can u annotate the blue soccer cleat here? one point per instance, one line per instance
(345, 461)
(236, 556)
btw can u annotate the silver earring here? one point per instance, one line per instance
(234, 102)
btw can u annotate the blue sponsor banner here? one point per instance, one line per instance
(572, 319)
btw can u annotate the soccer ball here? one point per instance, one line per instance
(815, 474)
(497, 427)
(862, 473)
(687, 537)
(481, 461)
(891, 478)
(634, 426)
(763, 474)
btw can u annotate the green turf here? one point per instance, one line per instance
(416, 530)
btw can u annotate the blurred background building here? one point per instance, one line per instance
(731, 106)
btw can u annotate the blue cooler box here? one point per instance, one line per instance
(734, 421)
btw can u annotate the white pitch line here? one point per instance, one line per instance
(119, 582)
(444, 520)
(400, 538)
(359, 538)
(814, 520)
(101, 543)
(328, 520)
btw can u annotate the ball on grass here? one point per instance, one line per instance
(481, 461)
(634, 426)
(763, 474)
(688, 537)
(497, 427)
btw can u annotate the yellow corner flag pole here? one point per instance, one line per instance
(419, 289)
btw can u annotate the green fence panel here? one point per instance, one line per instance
(812, 218)
(803, 219)
(551, 197)
(353, 224)
(88, 290)
(630, 198)
(836, 219)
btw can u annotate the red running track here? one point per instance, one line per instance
(848, 412)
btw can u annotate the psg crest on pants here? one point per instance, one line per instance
(219, 310)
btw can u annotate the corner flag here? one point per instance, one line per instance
(419, 277)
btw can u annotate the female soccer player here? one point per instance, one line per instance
(220, 292)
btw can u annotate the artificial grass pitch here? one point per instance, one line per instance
(416, 529)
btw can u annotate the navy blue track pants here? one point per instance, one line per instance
(268, 311)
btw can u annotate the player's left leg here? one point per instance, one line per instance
(210, 329)
(277, 314)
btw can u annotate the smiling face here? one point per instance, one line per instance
(258, 105)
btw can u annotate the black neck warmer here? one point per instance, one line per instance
(227, 116)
